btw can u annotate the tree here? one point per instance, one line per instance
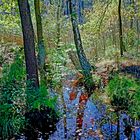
(85, 65)
(41, 46)
(29, 44)
(59, 11)
(122, 47)
(132, 3)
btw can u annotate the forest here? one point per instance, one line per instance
(69, 69)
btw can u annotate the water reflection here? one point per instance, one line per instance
(96, 124)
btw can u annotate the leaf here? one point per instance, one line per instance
(83, 97)
(72, 96)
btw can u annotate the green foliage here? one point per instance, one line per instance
(16, 99)
(50, 26)
(12, 96)
(100, 32)
(100, 38)
(123, 93)
(134, 109)
(11, 121)
(40, 99)
(9, 18)
(58, 59)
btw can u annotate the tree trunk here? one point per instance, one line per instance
(137, 25)
(59, 10)
(104, 44)
(29, 44)
(86, 67)
(122, 48)
(132, 16)
(41, 46)
(75, 60)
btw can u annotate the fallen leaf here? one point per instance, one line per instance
(83, 97)
(72, 96)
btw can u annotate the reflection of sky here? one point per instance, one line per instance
(138, 134)
(91, 112)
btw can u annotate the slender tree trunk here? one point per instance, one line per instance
(41, 45)
(138, 36)
(122, 48)
(113, 35)
(137, 24)
(29, 44)
(132, 20)
(104, 44)
(86, 67)
(96, 51)
(59, 8)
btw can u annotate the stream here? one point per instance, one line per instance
(96, 124)
(91, 130)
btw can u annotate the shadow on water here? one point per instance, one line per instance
(43, 121)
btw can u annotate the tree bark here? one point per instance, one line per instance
(41, 45)
(29, 44)
(75, 60)
(86, 67)
(122, 48)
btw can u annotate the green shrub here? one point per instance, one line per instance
(122, 92)
(40, 99)
(134, 109)
(16, 100)
(12, 103)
